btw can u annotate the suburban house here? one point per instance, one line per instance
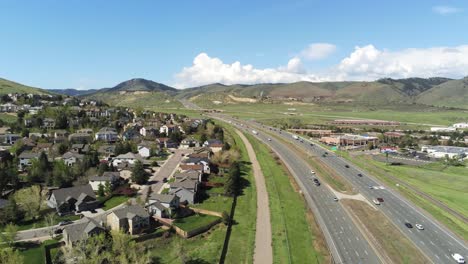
(201, 152)
(60, 136)
(131, 134)
(80, 138)
(80, 148)
(107, 177)
(439, 152)
(192, 175)
(106, 151)
(128, 158)
(149, 131)
(162, 205)
(185, 195)
(70, 158)
(166, 143)
(199, 161)
(43, 147)
(186, 167)
(26, 158)
(48, 123)
(132, 219)
(9, 139)
(107, 134)
(144, 149)
(215, 145)
(73, 199)
(80, 231)
(189, 143)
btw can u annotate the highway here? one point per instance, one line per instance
(435, 241)
(344, 239)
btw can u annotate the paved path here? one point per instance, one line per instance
(263, 253)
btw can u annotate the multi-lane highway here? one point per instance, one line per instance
(435, 240)
(344, 239)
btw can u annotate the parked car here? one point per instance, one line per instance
(419, 226)
(408, 225)
(164, 179)
(458, 258)
(66, 222)
(380, 199)
(58, 231)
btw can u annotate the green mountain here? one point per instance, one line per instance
(7, 87)
(453, 93)
(140, 84)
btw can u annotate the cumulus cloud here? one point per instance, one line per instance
(206, 70)
(317, 51)
(446, 10)
(363, 63)
(370, 63)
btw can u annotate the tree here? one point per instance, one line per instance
(30, 200)
(226, 146)
(8, 177)
(10, 256)
(232, 185)
(139, 175)
(226, 218)
(50, 221)
(8, 236)
(103, 167)
(11, 213)
(108, 188)
(61, 174)
(40, 169)
(100, 191)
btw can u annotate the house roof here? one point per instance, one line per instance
(106, 176)
(129, 155)
(29, 155)
(197, 167)
(130, 212)
(182, 189)
(81, 230)
(184, 183)
(62, 194)
(196, 160)
(163, 198)
(106, 148)
(69, 155)
(194, 175)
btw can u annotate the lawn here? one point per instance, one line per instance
(194, 221)
(8, 118)
(40, 222)
(296, 238)
(115, 201)
(34, 253)
(446, 184)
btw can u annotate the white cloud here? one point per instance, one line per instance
(206, 70)
(317, 51)
(446, 10)
(370, 63)
(364, 63)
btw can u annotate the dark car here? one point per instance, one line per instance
(58, 231)
(359, 174)
(380, 199)
(66, 222)
(312, 144)
(164, 180)
(408, 225)
(347, 166)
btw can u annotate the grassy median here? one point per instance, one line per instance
(295, 236)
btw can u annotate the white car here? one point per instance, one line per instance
(419, 226)
(312, 171)
(335, 199)
(269, 139)
(458, 258)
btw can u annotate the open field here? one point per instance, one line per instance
(114, 201)
(194, 221)
(415, 115)
(139, 100)
(395, 245)
(8, 118)
(296, 238)
(448, 185)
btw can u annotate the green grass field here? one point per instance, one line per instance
(8, 118)
(40, 222)
(446, 184)
(293, 238)
(35, 253)
(114, 201)
(194, 221)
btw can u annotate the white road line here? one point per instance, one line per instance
(349, 240)
(357, 238)
(357, 254)
(437, 256)
(365, 251)
(430, 241)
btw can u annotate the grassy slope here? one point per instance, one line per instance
(448, 186)
(293, 238)
(452, 93)
(148, 100)
(7, 87)
(8, 118)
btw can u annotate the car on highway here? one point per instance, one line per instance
(347, 166)
(375, 201)
(408, 225)
(371, 187)
(359, 174)
(324, 155)
(269, 139)
(316, 181)
(380, 199)
(419, 226)
(66, 222)
(312, 171)
(311, 144)
(335, 199)
(458, 258)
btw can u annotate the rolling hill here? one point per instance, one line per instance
(7, 87)
(453, 93)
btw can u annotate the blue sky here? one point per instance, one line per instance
(95, 44)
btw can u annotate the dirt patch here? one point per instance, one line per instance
(242, 99)
(385, 235)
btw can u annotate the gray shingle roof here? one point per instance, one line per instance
(81, 230)
(73, 192)
(163, 198)
(130, 211)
